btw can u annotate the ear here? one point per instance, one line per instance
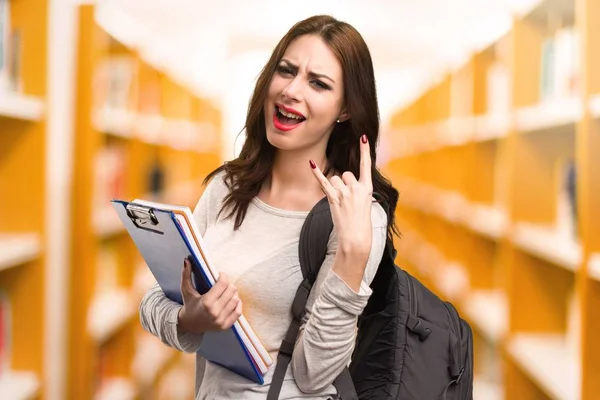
(344, 116)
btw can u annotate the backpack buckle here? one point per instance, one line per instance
(287, 348)
(460, 375)
(456, 375)
(299, 304)
(415, 326)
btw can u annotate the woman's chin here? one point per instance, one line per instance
(280, 140)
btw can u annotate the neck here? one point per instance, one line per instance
(292, 185)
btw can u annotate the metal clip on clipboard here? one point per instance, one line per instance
(143, 217)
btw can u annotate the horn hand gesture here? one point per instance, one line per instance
(350, 201)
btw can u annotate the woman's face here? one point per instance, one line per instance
(306, 96)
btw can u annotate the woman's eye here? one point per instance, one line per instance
(320, 85)
(284, 70)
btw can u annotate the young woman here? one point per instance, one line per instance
(312, 126)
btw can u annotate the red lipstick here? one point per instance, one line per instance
(285, 127)
(290, 110)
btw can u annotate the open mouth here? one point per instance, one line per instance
(285, 119)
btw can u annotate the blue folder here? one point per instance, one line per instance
(164, 246)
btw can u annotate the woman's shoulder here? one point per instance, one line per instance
(216, 187)
(379, 218)
(211, 199)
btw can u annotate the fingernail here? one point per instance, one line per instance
(312, 164)
(363, 139)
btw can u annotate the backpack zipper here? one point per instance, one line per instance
(413, 321)
(470, 365)
(454, 317)
(414, 306)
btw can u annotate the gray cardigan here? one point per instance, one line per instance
(261, 258)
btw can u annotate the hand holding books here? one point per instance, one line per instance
(216, 310)
(210, 303)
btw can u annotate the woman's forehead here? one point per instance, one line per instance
(311, 53)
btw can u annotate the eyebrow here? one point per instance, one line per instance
(313, 74)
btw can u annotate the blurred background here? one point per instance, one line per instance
(490, 115)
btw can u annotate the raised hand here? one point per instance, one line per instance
(350, 202)
(217, 309)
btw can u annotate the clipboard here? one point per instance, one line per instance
(162, 240)
(187, 222)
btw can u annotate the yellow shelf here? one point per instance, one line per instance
(177, 133)
(491, 127)
(19, 386)
(451, 279)
(548, 360)
(117, 389)
(487, 220)
(534, 96)
(150, 124)
(485, 390)
(456, 131)
(107, 222)
(548, 115)
(108, 313)
(142, 280)
(594, 266)
(148, 128)
(17, 249)
(595, 106)
(150, 359)
(114, 122)
(488, 310)
(20, 106)
(548, 245)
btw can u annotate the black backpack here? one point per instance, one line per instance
(410, 345)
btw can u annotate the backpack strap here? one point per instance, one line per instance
(389, 251)
(312, 250)
(344, 385)
(314, 238)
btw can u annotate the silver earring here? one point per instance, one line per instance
(338, 121)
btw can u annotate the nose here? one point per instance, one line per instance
(293, 91)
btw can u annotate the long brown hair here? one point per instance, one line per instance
(245, 175)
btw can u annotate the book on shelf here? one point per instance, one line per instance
(4, 40)
(559, 76)
(107, 270)
(110, 176)
(165, 233)
(498, 90)
(177, 384)
(115, 83)
(101, 369)
(461, 93)
(573, 331)
(149, 98)
(547, 69)
(5, 333)
(566, 201)
(15, 59)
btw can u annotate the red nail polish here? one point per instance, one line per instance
(363, 139)
(312, 164)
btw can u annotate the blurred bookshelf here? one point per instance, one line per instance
(23, 82)
(139, 134)
(498, 201)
